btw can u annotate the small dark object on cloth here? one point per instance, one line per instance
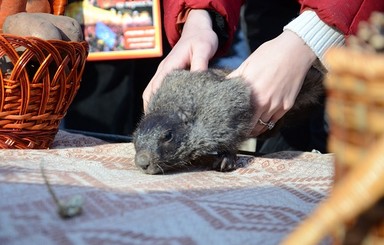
(69, 209)
(195, 114)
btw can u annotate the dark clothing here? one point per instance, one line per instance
(110, 96)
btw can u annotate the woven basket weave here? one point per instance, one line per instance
(354, 212)
(356, 111)
(38, 81)
(355, 104)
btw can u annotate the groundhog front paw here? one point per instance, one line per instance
(225, 162)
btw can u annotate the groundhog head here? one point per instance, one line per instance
(159, 142)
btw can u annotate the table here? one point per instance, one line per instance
(258, 203)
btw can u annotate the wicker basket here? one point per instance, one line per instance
(354, 212)
(38, 81)
(356, 111)
(355, 105)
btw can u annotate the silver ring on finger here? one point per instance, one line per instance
(269, 124)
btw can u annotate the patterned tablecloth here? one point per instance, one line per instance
(259, 203)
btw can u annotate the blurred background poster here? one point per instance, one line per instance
(116, 29)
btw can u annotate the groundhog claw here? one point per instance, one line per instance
(225, 162)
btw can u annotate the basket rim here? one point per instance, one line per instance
(366, 65)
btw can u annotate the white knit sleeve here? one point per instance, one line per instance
(316, 34)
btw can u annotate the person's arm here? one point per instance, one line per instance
(317, 35)
(343, 15)
(197, 45)
(175, 15)
(275, 71)
(330, 22)
(192, 31)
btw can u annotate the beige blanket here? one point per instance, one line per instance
(259, 203)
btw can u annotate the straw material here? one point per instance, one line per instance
(358, 191)
(38, 81)
(353, 214)
(355, 104)
(58, 6)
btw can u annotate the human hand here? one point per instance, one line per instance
(196, 46)
(275, 72)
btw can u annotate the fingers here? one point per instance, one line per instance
(152, 86)
(198, 62)
(266, 122)
(234, 73)
(197, 45)
(200, 56)
(146, 96)
(180, 58)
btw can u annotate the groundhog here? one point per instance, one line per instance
(196, 114)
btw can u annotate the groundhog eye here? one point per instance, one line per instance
(168, 136)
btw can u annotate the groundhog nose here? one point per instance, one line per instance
(142, 160)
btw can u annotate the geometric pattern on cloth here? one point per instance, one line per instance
(260, 202)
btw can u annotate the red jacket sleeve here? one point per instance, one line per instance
(229, 9)
(343, 15)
